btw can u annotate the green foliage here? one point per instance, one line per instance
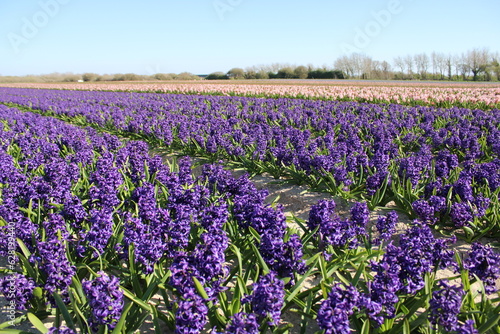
(217, 76)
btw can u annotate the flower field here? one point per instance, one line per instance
(408, 93)
(102, 236)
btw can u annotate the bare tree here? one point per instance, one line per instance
(449, 63)
(434, 62)
(462, 66)
(368, 67)
(495, 65)
(400, 63)
(275, 67)
(439, 64)
(385, 68)
(343, 64)
(477, 60)
(422, 64)
(409, 65)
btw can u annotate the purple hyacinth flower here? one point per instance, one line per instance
(267, 298)
(461, 214)
(61, 330)
(468, 328)
(335, 310)
(18, 289)
(485, 264)
(191, 314)
(105, 299)
(243, 323)
(444, 306)
(386, 226)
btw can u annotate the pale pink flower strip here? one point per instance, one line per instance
(487, 94)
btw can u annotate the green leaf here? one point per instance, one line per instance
(37, 323)
(78, 290)
(309, 235)
(307, 311)
(136, 300)
(366, 327)
(343, 279)
(237, 252)
(156, 321)
(235, 304)
(468, 232)
(322, 267)
(298, 285)
(406, 326)
(359, 272)
(254, 233)
(263, 264)
(24, 249)
(493, 320)
(200, 288)
(64, 310)
(121, 321)
(133, 271)
(14, 331)
(284, 329)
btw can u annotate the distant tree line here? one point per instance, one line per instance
(277, 71)
(476, 65)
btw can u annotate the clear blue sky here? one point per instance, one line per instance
(204, 36)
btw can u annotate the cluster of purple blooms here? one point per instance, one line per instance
(267, 298)
(105, 299)
(484, 263)
(61, 330)
(332, 230)
(250, 210)
(335, 310)
(18, 289)
(445, 306)
(243, 323)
